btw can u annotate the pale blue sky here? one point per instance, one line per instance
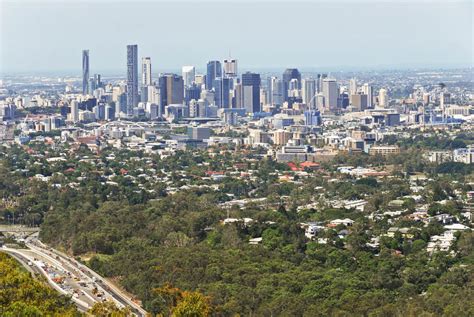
(39, 36)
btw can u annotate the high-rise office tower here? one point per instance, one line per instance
(171, 90)
(293, 87)
(97, 80)
(226, 87)
(330, 93)
(109, 113)
(132, 78)
(152, 94)
(309, 92)
(192, 92)
(222, 89)
(383, 98)
(146, 72)
(91, 87)
(352, 86)
(358, 102)
(230, 68)
(288, 75)
(200, 80)
(367, 89)
(320, 102)
(263, 97)
(74, 111)
(270, 81)
(343, 100)
(208, 96)
(85, 72)
(214, 70)
(237, 101)
(121, 104)
(275, 91)
(188, 73)
(251, 91)
(321, 78)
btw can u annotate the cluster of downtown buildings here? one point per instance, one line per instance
(295, 117)
(220, 92)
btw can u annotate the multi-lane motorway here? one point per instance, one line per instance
(70, 277)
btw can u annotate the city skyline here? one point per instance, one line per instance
(236, 158)
(380, 41)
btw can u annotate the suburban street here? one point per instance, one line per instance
(70, 277)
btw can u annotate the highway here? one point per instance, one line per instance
(70, 277)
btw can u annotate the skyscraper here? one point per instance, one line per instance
(288, 75)
(214, 69)
(146, 78)
(367, 89)
(222, 89)
(188, 73)
(358, 102)
(383, 98)
(85, 72)
(309, 92)
(237, 100)
(192, 92)
(91, 87)
(269, 89)
(171, 90)
(97, 80)
(146, 72)
(230, 68)
(251, 91)
(330, 93)
(320, 80)
(352, 86)
(275, 91)
(132, 78)
(74, 111)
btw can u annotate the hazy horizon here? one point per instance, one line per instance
(49, 36)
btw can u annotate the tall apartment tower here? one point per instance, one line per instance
(353, 86)
(85, 72)
(74, 111)
(132, 77)
(146, 72)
